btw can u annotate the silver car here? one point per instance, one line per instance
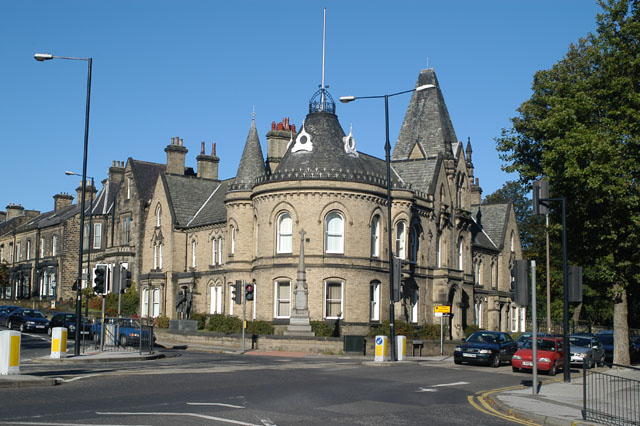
(586, 351)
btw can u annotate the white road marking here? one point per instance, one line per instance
(202, 416)
(450, 384)
(56, 424)
(426, 390)
(215, 403)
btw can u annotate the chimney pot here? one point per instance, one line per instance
(202, 148)
(213, 149)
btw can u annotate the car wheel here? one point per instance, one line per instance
(552, 370)
(10, 325)
(588, 364)
(96, 338)
(49, 331)
(123, 340)
(601, 362)
(495, 361)
(22, 329)
(457, 361)
(515, 369)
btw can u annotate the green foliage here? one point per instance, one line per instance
(260, 327)
(322, 329)
(129, 303)
(201, 318)
(224, 324)
(580, 130)
(4, 276)
(161, 321)
(468, 330)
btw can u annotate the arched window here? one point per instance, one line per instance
(285, 233)
(214, 251)
(439, 251)
(512, 241)
(194, 246)
(413, 244)
(401, 237)
(461, 253)
(374, 301)
(155, 303)
(220, 245)
(375, 236)
(334, 233)
(160, 256)
(233, 239)
(159, 215)
(216, 300)
(334, 307)
(413, 313)
(54, 245)
(145, 302)
(282, 303)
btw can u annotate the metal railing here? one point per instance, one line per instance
(610, 400)
(124, 335)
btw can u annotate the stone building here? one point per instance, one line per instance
(316, 192)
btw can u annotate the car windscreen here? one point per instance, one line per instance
(32, 314)
(606, 339)
(543, 345)
(580, 341)
(483, 338)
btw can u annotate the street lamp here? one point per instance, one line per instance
(68, 173)
(40, 57)
(387, 150)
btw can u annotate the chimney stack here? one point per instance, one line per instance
(176, 153)
(14, 210)
(116, 172)
(278, 141)
(89, 192)
(208, 164)
(61, 201)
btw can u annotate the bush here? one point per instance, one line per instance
(470, 329)
(401, 328)
(224, 324)
(431, 331)
(201, 318)
(321, 328)
(260, 327)
(161, 322)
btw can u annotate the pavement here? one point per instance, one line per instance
(556, 403)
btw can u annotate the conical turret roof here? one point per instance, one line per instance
(251, 164)
(427, 126)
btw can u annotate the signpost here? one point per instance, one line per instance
(442, 311)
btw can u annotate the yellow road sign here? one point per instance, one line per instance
(442, 309)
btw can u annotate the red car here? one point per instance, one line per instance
(550, 355)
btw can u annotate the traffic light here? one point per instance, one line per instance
(236, 296)
(100, 279)
(540, 192)
(248, 291)
(520, 274)
(125, 279)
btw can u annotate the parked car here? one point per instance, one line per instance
(28, 320)
(526, 336)
(606, 338)
(68, 320)
(485, 347)
(549, 352)
(128, 332)
(5, 311)
(586, 351)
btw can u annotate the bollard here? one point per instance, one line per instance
(58, 342)
(382, 349)
(401, 347)
(10, 352)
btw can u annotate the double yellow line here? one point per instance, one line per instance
(480, 403)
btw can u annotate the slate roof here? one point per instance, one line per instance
(493, 221)
(105, 200)
(328, 159)
(427, 121)
(196, 202)
(252, 161)
(145, 176)
(420, 174)
(50, 218)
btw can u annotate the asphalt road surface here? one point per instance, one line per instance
(197, 388)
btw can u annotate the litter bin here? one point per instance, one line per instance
(355, 345)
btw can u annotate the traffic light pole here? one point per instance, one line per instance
(244, 312)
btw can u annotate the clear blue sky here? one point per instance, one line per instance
(196, 69)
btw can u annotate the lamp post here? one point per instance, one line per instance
(90, 239)
(387, 151)
(40, 57)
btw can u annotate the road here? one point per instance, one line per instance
(199, 388)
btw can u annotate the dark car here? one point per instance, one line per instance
(486, 347)
(68, 320)
(127, 331)
(586, 351)
(606, 338)
(5, 311)
(28, 320)
(526, 336)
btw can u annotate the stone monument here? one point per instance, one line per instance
(299, 319)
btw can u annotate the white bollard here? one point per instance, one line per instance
(10, 352)
(401, 347)
(58, 342)
(382, 349)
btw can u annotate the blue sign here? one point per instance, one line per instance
(378, 340)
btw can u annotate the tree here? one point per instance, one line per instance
(580, 129)
(4, 279)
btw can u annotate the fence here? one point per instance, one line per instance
(610, 400)
(124, 334)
